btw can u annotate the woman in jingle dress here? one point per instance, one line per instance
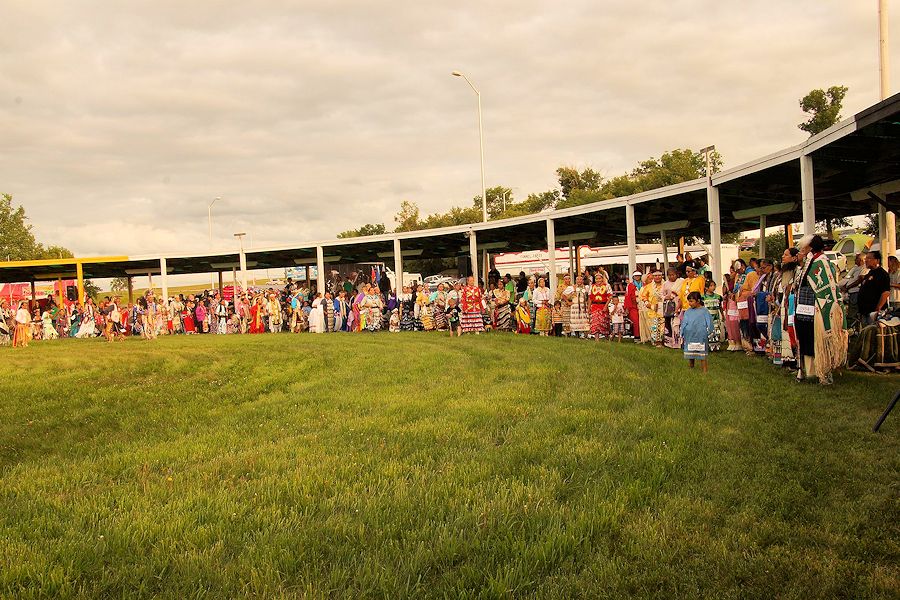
(671, 293)
(372, 304)
(564, 292)
(579, 318)
(502, 315)
(407, 310)
(439, 306)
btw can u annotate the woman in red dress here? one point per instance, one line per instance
(471, 303)
(599, 296)
(188, 319)
(632, 308)
(257, 311)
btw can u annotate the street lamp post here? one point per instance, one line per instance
(209, 217)
(887, 225)
(243, 260)
(484, 213)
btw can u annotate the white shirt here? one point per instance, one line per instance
(541, 297)
(22, 316)
(617, 311)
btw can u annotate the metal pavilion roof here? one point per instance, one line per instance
(850, 158)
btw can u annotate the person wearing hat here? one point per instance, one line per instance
(632, 308)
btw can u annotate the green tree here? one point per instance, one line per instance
(776, 244)
(118, 284)
(16, 238)
(365, 230)
(571, 179)
(455, 216)
(827, 226)
(408, 217)
(871, 224)
(498, 199)
(52, 252)
(91, 289)
(824, 108)
(672, 167)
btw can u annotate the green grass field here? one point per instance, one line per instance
(413, 465)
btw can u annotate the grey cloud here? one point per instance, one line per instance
(309, 118)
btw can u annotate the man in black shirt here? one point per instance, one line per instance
(875, 289)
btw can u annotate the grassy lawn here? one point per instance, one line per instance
(412, 465)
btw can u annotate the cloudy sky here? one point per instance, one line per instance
(121, 121)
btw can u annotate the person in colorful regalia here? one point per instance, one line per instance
(257, 314)
(579, 316)
(543, 304)
(781, 336)
(502, 315)
(651, 308)
(422, 310)
(819, 316)
(713, 303)
(471, 304)
(523, 317)
(22, 334)
(601, 292)
(371, 307)
(632, 306)
(671, 292)
(439, 307)
(564, 292)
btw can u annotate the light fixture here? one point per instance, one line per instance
(415, 252)
(574, 237)
(313, 261)
(772, 209)
(487, 246)
(669, 226)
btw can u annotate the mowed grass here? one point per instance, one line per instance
(413, 465)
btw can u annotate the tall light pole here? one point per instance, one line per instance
(243, 260)
(484, 213)
(209, 217)
(883, 49)
(886, 221)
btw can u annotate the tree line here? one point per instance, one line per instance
(575, 187)
(17, 241)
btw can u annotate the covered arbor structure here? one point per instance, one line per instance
(849, 169)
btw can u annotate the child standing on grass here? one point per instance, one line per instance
(617, 318)
(557, 319)
(696, 326)
(713, 303)
(523, 317)
(453, 318)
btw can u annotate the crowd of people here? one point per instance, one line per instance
(794, 312)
